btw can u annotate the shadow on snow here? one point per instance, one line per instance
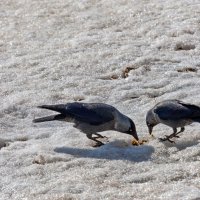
(111, 151)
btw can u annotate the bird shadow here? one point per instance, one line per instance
(116, 150)
(181, 145)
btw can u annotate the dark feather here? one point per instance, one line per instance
(174, 110)
(94, 114)
(49, 118)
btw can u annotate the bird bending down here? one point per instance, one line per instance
(91, 118)
(173, 113)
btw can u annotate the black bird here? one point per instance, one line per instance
(91, 118)
(173, 113)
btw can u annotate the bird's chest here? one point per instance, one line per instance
(176, 123)
(88, 128)
(122, 124)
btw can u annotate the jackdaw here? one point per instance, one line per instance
(91, 118)
(173, 113)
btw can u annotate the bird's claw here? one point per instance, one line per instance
(166, 139)
(98, 144)
(176, 136)
(97, 137)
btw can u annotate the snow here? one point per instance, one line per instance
(130, 54)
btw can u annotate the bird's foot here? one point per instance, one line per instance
(100, 136)
(98, 144)
(167, 138)
(176, 136)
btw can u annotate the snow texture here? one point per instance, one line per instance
(127, 53)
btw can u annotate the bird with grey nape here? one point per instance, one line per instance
(91, 118)
(173, 113)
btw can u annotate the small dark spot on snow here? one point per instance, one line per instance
(4, 143)
(187, 69)
(110, 77)
(142, 179)
(134, 97)
(126, 71)
(39, 160)
(114, 76)
(182, 46)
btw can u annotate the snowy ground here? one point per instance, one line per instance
(130, 54)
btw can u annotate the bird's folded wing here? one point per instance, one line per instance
(195, 110)
(173, 111)
(91, 115)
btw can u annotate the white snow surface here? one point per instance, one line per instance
(59, 51)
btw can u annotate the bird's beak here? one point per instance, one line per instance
(136, 139)
(150, 129)
(134, 134)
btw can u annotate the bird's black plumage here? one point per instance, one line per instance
(173, 113)
(91, 118)
(176, 110)
(94, 114)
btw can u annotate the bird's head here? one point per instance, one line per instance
(151, 121)
(132, 130)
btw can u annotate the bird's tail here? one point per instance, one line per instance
(58, 108)
(49, 118)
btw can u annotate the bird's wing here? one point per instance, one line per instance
(94, 114)
(195, 110)
(174, 110)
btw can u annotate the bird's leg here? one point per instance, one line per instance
(182, 129)
(98, 143)
(174, 134)
(99, 136)
(168, 137)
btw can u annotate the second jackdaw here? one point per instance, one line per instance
(173, 113)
